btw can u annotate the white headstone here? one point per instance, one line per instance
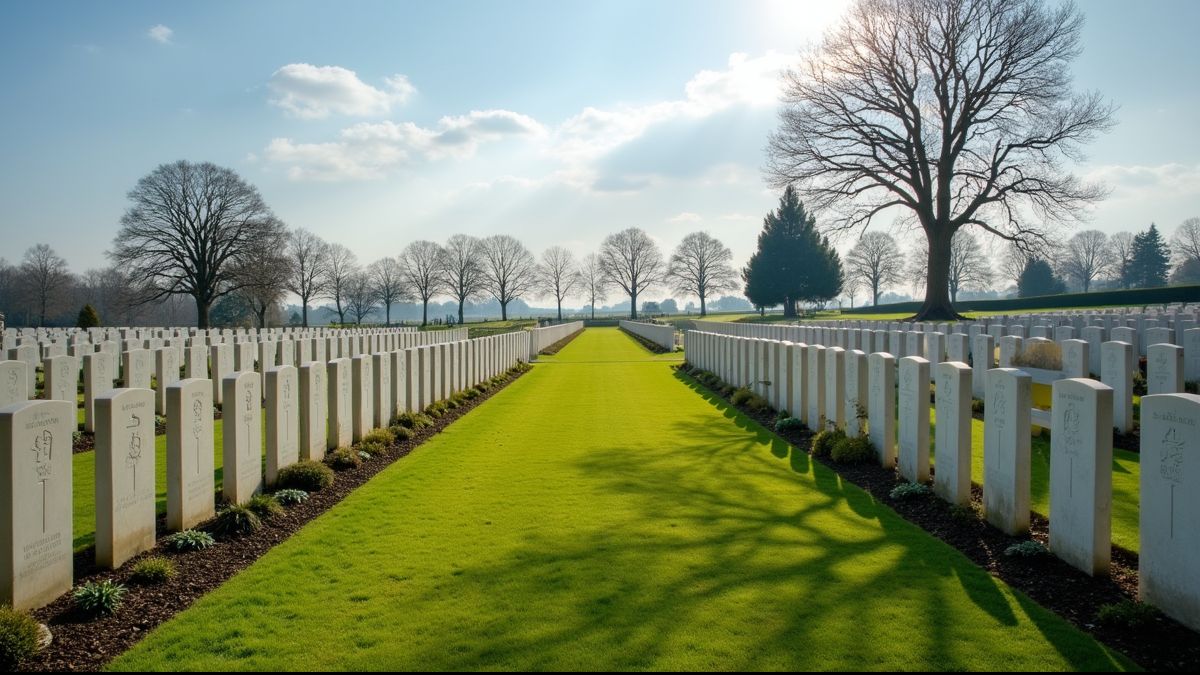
(982, 360)
(124, 475)
(137, 368)
(166, 373)
(835, 384)
(340, 432)
(1164, 368)
(1116, 371)
(362, 401)
(13, 387)
(857, 387)
(881, 408)
(36, 564)
(816, 387)
(914, 419)
(1006, 450)
(313, 411)
(1169, 512)
(61, 378)
(381, 389)
(241, 474)
(1081, 474)
(952, 443)
(283, 419)
(190, 460)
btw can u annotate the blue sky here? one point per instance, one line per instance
(377, 123)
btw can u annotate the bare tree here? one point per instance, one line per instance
(509, 270)
(701, 266)
(851, 286)
(1086, 257)
(341, 267)
(422, 267)
(263, 270)
(308, 267)
(360, 295)
(1186, 241)
(969, 267)
(631, 261)
(956, 112)
(876, 260)
(187, 227)
(595, 285)
(1121, 245)
(45, 279)
(463, 270)
(559, 275)
(387, 281)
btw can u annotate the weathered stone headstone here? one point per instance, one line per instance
(340, 432)
(124, 475)
(1164, 368)
(137, 368)
(362, 401)
(220, 364)
(952, 443)
(241, 475)
(283, 419)
(857, 388)
(313, 411)
(1116, 371)
(381, 389)
(61, 378)
(982, 360)
(1169, 512)
(1081, 474)
(13, 388)
(196, 363)
(881, 409)
(27, 354)
(816, 387)
(1006, 448)
(1191, 354)
(166, 373)
(36, 564)
(190, 460)
(914, 419)
(1075, 358)
(799, 366)
(1010, 347)
(835, 387)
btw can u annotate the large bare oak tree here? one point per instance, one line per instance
(700, 266)
(877, 261)
(462, 270)
(421, 263)
(631, 261)
(187, 228)
(559, 275)
(955, 113)
(308, 268)
(509, 270)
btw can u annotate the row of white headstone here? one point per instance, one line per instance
(310, 409)
(541, 338)
(663, 336)
(856, 391)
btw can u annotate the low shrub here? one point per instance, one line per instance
(852, 450)
(343, 459)
(18, 637)
(757, 404)
(291, 497)
(372, 448)
(1126, 614)
(823, 442)
(265, 506)
(471, 394)
(412, 420)
(99, 598)
(964, 514)
(741, 396)
(977, 406)
(189, 540)
(400, 433)
(1045, 355)
(235, 520)
(789, 424)
(1026, 549)
(305, 475)
(727, 389)
(153, 570)
(909, 491)
(383, 437)
(437, 409)
(1139, 383)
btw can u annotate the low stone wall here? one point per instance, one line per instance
(664, 336)
(541, 338)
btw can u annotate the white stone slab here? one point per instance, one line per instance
(190, 460)
(124, 475)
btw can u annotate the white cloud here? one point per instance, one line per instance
(1136, 181)
(314, 92)
(685, 217)
(369, 149)
(160, 34)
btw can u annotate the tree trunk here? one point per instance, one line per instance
(461, 302)
(560, 310)
(703, 309)
(202, 307)
(304, 311)
(425, 312)
(633, 306)
(938, 306)
(504, 311)
(875, 294)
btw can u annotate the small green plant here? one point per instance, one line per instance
(413, 420)
(823, 442)
(789, 424)
(371, 448)
(305, 475)
(741, 396)
(757, 404)
(153, 570)
(343, 459)
(235, 520)
(1026, 549)
(727, 390)
(977, 406)
(1126, 614)
(18, 637)
(1139, 383)
(290, 496)
(400, 433)
(964, 514)
(437, 409)
(852, 450)
(189, 540)
(383, 437)
(471, 394)
(364, 455)
(265, 506)
(99, 598)
(909, 491)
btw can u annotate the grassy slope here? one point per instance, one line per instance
(599, 514)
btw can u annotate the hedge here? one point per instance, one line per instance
(1136, 297)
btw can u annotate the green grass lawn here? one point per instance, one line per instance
(602, 514)
(84, 479)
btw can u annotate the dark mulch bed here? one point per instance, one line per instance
(83, 643)
(554, 348)
(1160, 644)
(648, 344)
(84, 441)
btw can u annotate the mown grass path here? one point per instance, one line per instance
(600, 514)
